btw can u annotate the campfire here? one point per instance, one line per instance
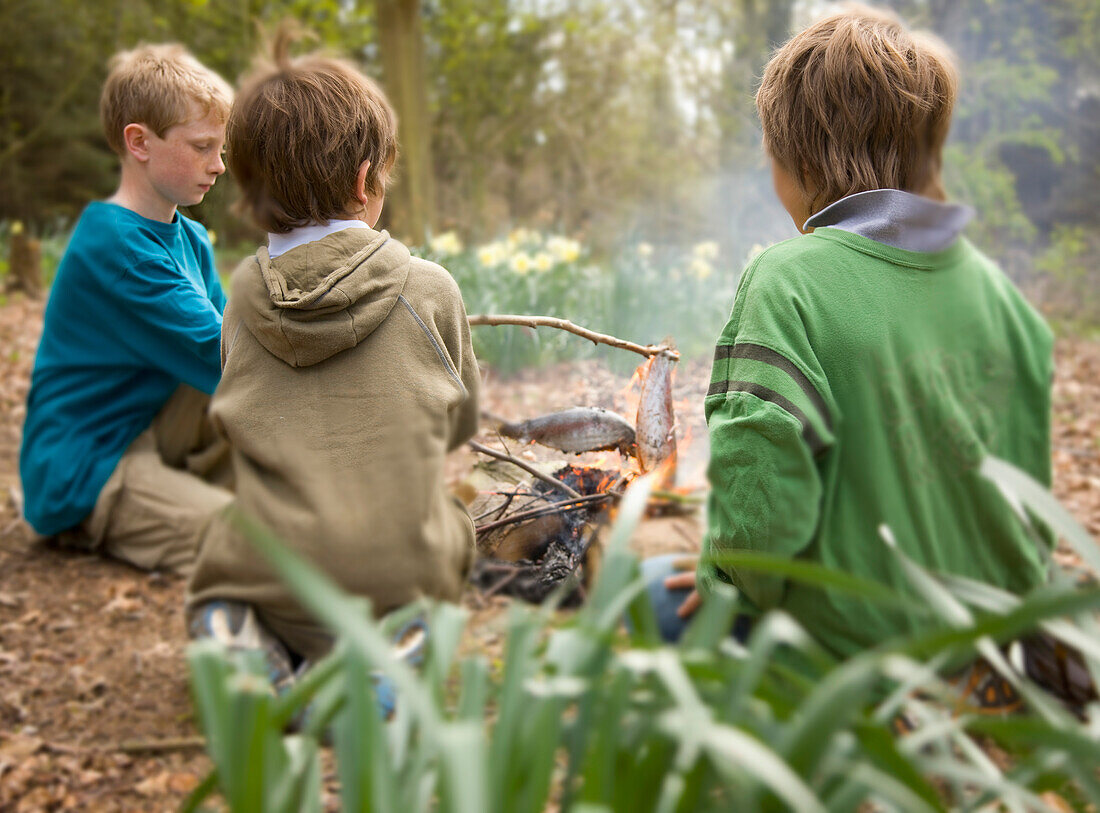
(538, 528)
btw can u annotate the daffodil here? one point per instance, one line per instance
(707, 250)
(700, 268)
(645, 250)
(520, 262)
(522, 237)
(446, 244)
(212, 236)
(754, 252)
(566, 250)
(543, 262)
(490, 255)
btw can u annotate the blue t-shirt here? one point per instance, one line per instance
(134, 311)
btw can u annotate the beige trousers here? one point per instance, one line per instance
(165, 490)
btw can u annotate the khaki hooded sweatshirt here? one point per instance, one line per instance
(348, 375)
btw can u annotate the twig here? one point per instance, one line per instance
(504, 582)
(558, 484)
(565, 324)
(510, 496)
(564, 505)
(160, 746)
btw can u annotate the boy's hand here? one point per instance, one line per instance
(685, 581)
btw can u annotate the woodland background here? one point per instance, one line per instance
(616, 122)
(593, 160)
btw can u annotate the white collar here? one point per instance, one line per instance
(282, 243)
(897, 218)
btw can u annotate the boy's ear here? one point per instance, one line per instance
(136, 139)
(361, 183)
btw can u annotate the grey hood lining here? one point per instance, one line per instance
(896, 218)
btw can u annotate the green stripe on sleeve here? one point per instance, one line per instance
(772, 377)
(813, 437)
(757, 352)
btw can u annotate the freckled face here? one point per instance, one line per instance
(790, 194)
(184, 164)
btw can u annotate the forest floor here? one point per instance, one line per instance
(94, 706)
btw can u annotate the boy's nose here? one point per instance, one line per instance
(219, 165)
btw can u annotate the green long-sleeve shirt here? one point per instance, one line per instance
(859, 384)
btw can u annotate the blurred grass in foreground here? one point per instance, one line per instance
(583, 717)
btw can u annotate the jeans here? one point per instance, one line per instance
(665, 602)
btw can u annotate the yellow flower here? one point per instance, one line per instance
(446, 244)
(16, 228)
(543, 262)
(700, 268)
(491, 255)
(566, 250)
(754, 252)
(520, 263)
(212, 236)
(707, 250)
(523, 237)
(645, 250)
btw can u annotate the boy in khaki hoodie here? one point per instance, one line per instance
(348, 372)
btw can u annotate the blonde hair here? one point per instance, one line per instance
(856, 102)
(157, 85)
(298, 133)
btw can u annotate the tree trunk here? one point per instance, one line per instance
(401, 46)
(26, 264)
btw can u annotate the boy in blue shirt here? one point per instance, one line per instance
(116, 443)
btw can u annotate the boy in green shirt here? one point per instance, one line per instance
(871, 363)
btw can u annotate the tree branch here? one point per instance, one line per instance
(566, 325)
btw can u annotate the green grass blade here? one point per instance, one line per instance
(728, 747)
(818, 575)
(474, 693)
(362, 751)
(712, 621)
(465, 775)
(1044, 505)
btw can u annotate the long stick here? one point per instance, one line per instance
(477, 447)
(565, 324)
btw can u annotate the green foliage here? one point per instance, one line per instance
(976, 177)
(1073, 262)
(579, 717)
(551, 275)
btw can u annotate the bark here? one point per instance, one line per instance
(401, 46)
(25, 264)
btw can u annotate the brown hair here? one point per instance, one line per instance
(298, 133)
(157, 85)
(856, 102)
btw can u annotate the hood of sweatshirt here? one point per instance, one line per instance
(323, 297)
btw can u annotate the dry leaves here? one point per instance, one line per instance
(91, 651)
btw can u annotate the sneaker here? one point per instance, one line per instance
(982, 690)
(234, 624)
(410, 642)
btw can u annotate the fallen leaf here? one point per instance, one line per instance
(182, 782)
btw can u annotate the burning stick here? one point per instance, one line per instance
(566, 325)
